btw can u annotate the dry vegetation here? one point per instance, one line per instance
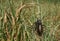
(18, 16)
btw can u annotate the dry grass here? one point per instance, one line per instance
(17, 19)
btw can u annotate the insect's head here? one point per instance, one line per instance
(38, 21)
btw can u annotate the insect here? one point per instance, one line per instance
(39, 27)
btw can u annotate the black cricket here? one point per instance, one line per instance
(39, 27)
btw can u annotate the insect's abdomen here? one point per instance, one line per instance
(40, 30)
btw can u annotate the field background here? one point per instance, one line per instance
(18, 16)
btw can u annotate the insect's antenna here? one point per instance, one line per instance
(39, 11)
(39, 14)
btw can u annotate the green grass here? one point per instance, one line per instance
(18, 16)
